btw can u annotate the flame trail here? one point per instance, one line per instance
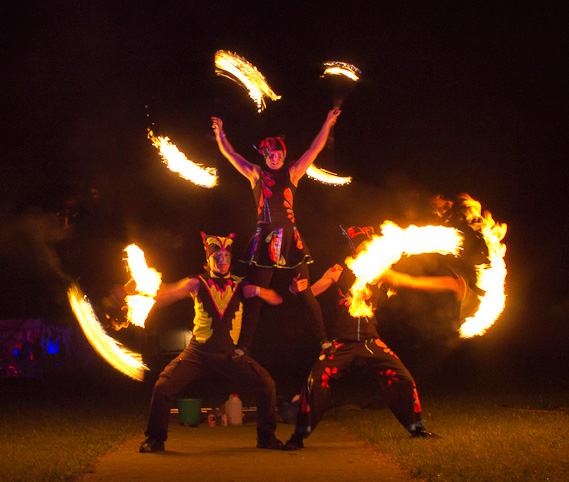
(326, 177)
(176, 161)
(127, 362)
(490, 277)
(147, 280)
(385, 250)
(342, 68)
(236, 68)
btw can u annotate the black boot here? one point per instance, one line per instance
(422, 432)
(295, 442)
(271, 442)
(151, 445)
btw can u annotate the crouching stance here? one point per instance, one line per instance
(357, 345)
(218, 302)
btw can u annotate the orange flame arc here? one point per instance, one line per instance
(236, 68)
(342, 68)
(327, 177)
(127, 362)
(147, 280)
(491, 277)
(383, 251)
(177, 162)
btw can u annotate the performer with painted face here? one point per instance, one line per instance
(218, 302)
(357, 344)
(276, 242)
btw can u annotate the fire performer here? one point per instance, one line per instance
(218, 300)
(357, 343)
(277, 242)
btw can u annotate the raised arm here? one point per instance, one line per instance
(424, 283)
(298, 169)
(249, 170)
(267, 295)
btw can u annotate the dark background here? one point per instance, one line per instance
(452, 99)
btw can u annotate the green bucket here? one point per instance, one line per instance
(189, 411)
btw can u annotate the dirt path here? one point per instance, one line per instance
(228, 454)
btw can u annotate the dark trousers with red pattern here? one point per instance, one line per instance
(260, 276)
(193, 363)
(395, 380)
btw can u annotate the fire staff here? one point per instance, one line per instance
(358, 344)
(218, 302)
(277, 242)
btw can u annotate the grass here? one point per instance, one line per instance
(53, 433)
(485, 438)
(55, 430)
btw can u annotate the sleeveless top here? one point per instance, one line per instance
(218, 308)
(344, 326)
(276, 242)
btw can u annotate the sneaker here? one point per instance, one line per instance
(151, 445)
(422, 432)
(294, 443)
(273, 443)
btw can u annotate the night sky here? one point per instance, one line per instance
(452, 99)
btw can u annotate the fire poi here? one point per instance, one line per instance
(177, 162)
(147, 282)
(127, 362)
(351, 72)
(342, 68)
(239, 70)
(385, 250)
(490, 277)
(236, 68)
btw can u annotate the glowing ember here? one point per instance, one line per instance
(490, 277)
(385, 250)
(176, 161)
(246, 75)
(147, 281)
(342, 68)
(327, 177)
(125, 361)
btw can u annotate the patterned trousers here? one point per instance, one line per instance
(394, 379)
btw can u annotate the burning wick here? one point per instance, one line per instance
(147, 280)
(342, 68)
(246, 75)
(176, 161)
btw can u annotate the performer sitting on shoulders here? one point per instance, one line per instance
(277, 242)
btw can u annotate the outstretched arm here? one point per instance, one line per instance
(331, 276)
(424, 283)
(171, 292)
(249, 170)
(116, 306)
(266, 294)
(298, 169)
